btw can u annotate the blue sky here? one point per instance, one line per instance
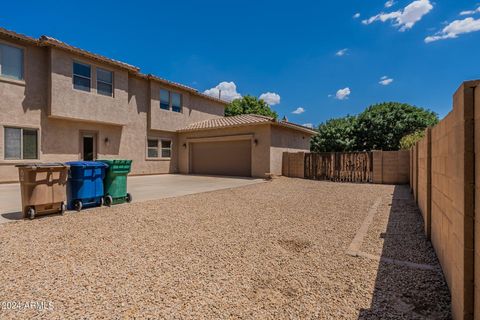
(423, 49)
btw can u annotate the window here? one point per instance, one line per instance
(11, 62)
(166, 148)
(152, 149)
(170, 100)
(81, 76)
(159, 148)
(176, 102)
(104, 82)
(21, 143)
(164, 99)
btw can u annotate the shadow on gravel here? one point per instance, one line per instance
(407, 292)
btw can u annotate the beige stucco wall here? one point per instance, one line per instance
(26, 104)
(22, 102)
(260, 151)
(67, 102)
(194, 109)
(285, 140)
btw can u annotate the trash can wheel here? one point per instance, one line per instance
(128, 198)
(102, 202)
(77, 205)
(63, 208)
(31, 213)
(108, 200)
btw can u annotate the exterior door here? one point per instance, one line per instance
(89, 147)
(227, 158)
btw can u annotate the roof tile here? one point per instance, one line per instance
(241, 120)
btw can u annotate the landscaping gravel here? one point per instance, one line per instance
(272, 250)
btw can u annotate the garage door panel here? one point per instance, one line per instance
(231, 158)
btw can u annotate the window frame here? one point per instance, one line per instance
(159, 148)
(37, 151)
(111, 84)
(170, 104)
(169, 149)
(160, 99)
(80, 76)
(22, 65)
(181, 102)
(155, 148)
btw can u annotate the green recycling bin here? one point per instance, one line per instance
(115, 182)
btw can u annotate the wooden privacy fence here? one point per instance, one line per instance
(386, 167)
(340, 167)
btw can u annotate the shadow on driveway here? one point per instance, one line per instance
(407, 291)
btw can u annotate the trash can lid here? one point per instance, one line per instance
(116, 161)
(90, 164)
(42, 165)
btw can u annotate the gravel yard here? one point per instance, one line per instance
(271, 250)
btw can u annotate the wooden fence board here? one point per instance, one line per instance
(339, 166)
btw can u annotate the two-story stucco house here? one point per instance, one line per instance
(61, 103)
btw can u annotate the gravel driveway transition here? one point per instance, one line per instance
(289, 248)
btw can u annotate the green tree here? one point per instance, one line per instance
(409, 140)
(379, 127)
(335, 135)
(249, 105)
(382, 126)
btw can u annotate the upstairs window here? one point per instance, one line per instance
(21, 143)
(170, 100)
(164, 99)
(81, 76)
(104, 82)
(11, 62)
(176, 102)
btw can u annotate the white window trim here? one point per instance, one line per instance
(21, 143)
(111, 84)
(80, 76)
(13, 80)
(159, 148)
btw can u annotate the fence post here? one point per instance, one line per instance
(428, 201)
(415, 196)
(301, 165)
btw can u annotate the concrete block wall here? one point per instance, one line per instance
(391, 167)
(443, 183)
(293, 164)
(423, 179)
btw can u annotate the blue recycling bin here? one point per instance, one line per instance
(85, 184)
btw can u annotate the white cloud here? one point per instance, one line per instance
(225, 90)
(404, 19)
(356, 15)
(385, 81)
(389, 3)
(270, 98)
(470, 12)
(343, 94)
(456, 28)
(299, 110)
(308, 125)
(341, 53)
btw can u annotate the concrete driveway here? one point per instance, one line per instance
(142, 188)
